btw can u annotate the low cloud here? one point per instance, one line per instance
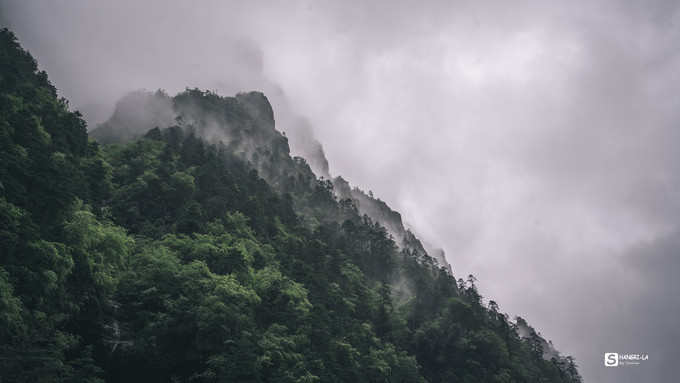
(535, 142)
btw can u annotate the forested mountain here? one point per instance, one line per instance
(196, 249)
(246, 124)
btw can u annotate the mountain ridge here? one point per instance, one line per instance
(172, 258)
(139, 111)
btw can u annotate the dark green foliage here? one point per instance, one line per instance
(171, 259)
(45, 152)
(57, 260)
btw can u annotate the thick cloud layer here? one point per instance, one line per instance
(534, 141)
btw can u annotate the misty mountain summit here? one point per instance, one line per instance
(245, 124)
(187, 245)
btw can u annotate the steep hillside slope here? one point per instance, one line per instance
(202, 252)
(245, 124)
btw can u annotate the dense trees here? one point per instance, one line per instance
(171, 259)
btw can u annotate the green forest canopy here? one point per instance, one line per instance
(170, 258)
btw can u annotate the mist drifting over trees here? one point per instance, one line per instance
(200, 250)
(531, 141)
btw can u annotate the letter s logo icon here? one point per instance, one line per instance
(611, 359)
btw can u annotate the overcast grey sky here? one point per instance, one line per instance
(535, 141)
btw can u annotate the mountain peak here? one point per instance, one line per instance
(259, 107)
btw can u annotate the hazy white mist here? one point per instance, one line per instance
(535, 141)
